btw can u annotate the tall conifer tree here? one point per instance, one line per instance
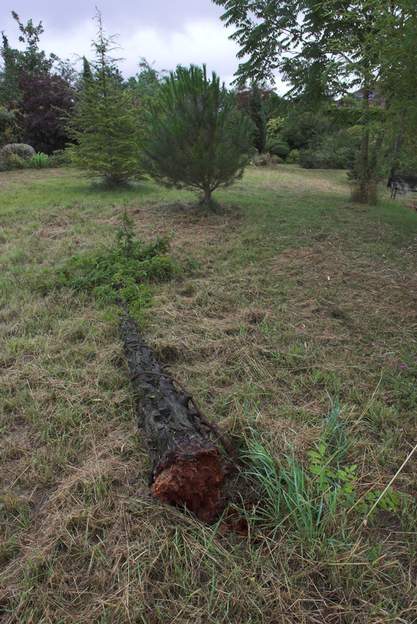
(105, 125)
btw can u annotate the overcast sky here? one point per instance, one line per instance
(165, 32)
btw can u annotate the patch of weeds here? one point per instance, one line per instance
(9, 548)
(122, 273)
(95, 490)
(401, 384)
(15, 508)
(381, 417)
(328, 380)
(313, 498)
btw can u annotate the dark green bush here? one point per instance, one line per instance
(278, 147)
(293, 156)
(60, 158)
(302, 130)
(8, 125)
(11, 162)
(334, 151)
(323, 159)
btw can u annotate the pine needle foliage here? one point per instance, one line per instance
(195, 137)
(105, 126)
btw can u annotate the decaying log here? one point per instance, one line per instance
(187, 465)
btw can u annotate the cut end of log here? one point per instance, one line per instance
(194, 483)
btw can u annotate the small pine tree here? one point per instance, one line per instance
(195, 136)
(105, 127)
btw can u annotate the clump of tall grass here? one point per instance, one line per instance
(312, 498)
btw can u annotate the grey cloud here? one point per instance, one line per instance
(130, 14)
(163, 31)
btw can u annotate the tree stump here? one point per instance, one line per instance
(187, 466)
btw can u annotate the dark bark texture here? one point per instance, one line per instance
(187, 466)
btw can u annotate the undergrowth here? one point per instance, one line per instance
(318, 498)
(120, 274)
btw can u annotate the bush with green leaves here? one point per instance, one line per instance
(324, 158)
(39, 161)
(60, 158)
(274, 126)
(196, 137)
(18, 149)
(278, 146)
(294, 156)
(118, 274)
(304, 129)
(13, 162)
(8, 125)
(333, 151)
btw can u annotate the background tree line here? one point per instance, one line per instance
(184, 129)
(352, 101)
(326, 49)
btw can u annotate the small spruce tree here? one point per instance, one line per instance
(105, 126)
(195, 136)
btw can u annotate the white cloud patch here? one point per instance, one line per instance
(195, 41)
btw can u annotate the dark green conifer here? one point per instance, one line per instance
(195, 136)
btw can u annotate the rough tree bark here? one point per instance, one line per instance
(187, 465)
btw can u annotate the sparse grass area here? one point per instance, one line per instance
(290, 301)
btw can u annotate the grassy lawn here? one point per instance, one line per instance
(290, 302)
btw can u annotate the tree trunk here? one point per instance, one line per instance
(364, 180)
(187, 467)
(206, 199)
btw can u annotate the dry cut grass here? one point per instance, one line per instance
(288, 301)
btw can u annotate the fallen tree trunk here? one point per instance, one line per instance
(187, 466)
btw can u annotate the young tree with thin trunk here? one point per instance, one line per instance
(321, 46)
(196, 137)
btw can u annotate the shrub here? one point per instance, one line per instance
(39, 161)
(275, 160)
(47, 101)
(293, 156)
(13, 161)
(8, 125)
(305, 129)
(278, 146)
(274, 126)
(261, 160)
(318, 159)
(335, 151)
(20, 149)
(60, 158)
(196, 137)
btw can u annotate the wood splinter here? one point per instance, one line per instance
(187, 466)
